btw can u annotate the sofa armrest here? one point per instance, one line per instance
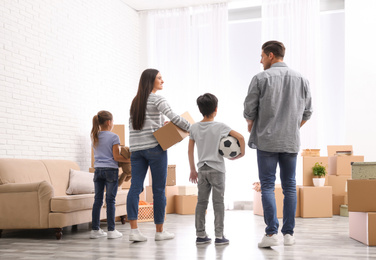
(25, 205)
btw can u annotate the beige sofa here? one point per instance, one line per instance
(33, 196)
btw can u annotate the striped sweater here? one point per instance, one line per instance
(156, 108)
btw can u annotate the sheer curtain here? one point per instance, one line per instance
(189, 46)
(296, 23)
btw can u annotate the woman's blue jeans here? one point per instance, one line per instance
(267, 165)
(105, 177)
(156, 158)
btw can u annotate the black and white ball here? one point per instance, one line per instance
(229, 147)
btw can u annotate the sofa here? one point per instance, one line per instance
(33, 196)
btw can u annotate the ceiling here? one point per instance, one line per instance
(142, 5)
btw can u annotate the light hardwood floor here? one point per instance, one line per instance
(316, 238)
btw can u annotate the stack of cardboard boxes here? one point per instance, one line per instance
(362, 203)
(179, 199)
(339, 171)
(319, 202)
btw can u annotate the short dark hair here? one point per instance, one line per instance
(207, 104)
(276, 47)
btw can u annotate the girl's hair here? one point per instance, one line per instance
(98, 120)
(138, 107)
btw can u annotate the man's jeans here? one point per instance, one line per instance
(267, 165)
(209, 180)
(105, 177)
(156, 158)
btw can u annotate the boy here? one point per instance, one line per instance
(211, 167)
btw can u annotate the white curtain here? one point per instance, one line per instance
(296, 23)
(189, 47)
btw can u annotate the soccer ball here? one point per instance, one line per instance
(229, 147)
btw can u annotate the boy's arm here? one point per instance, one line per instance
(240, 138)
(193, 175)
(117, 156)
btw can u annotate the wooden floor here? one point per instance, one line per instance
(317, 238)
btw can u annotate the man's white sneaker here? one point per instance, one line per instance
(164, 235)
(268, 241)
(288, 240)
(114, 234)
(137, 237)
(97, 233)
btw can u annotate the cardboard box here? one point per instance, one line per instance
(338, 200)
(187, 190)
(308, 163)
(185, 204)
(257, 203)
(171, 176)
(341, 164)
(316, 202)
(363, 170)
(120, 131)
(170, 191)
(338, 183)
(333, 149)
(362, 227)
(171, 134)
(361, 195)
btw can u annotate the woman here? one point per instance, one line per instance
(146, 116)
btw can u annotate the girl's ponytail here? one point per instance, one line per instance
(95, 130)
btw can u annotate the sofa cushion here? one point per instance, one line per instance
(22, 171)
(71, 203)
(80, 182)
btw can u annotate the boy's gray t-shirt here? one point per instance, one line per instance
(207, 136)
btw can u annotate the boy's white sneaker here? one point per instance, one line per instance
(137, 237)
(97, 233)
(164, 235)
(268, 241)
(288, 240)
(114, 234)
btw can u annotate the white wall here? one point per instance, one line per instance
(60, 63)
(360, 77)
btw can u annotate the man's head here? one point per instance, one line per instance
(207, 104)
(272, 52)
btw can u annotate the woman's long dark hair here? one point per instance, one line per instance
(138, 107)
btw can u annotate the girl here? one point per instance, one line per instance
(106, 157)
(146, 116)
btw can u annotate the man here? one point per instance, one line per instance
(278, 103)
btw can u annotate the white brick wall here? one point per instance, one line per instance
(61, 61)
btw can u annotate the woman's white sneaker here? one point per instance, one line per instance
(164, 235)
(268, 241)
(114, 234)
(288, 240)
(137, 237)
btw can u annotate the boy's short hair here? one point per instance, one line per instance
(207, 104)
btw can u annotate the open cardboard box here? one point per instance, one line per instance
(171, 134)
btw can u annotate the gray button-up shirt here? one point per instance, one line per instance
(278, 100)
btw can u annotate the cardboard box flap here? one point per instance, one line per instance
(333, 149)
